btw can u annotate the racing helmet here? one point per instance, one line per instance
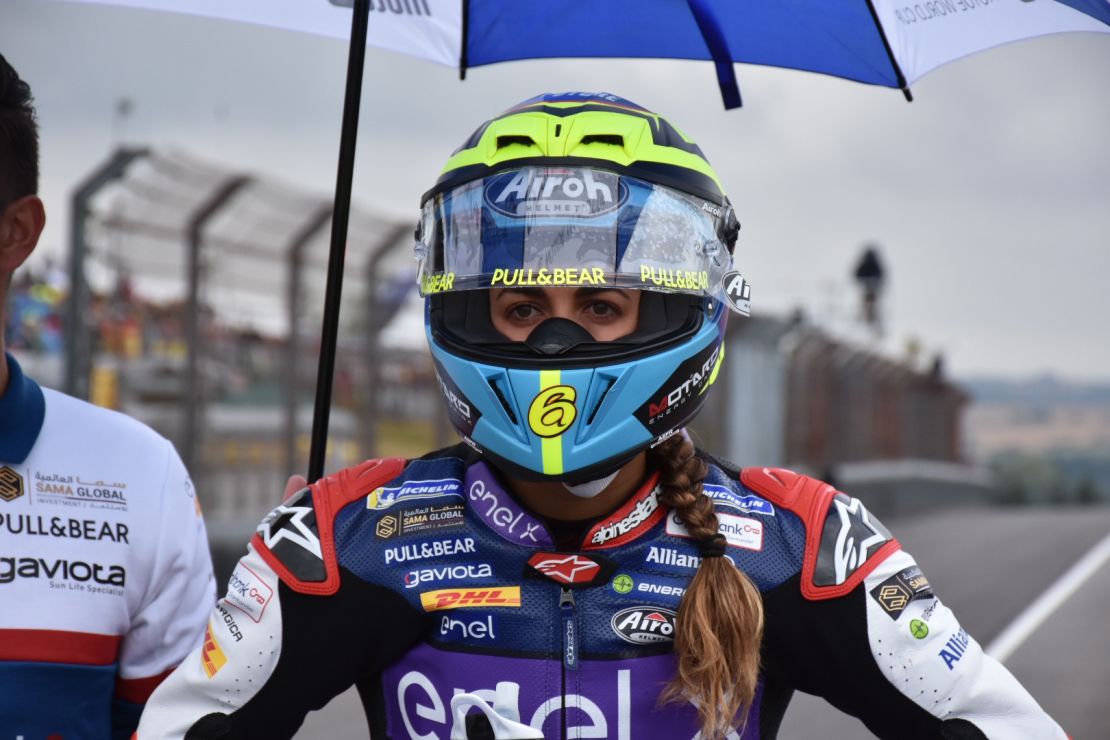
(576, 190)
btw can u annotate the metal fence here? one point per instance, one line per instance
(798, 396)
(195, 305)
(201, 313)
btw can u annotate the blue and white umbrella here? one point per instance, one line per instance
(891, 43)
(880, 42)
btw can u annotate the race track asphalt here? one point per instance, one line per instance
(988, 565)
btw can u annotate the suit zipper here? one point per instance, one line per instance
(569, 631)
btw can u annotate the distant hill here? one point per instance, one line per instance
(1045, 439)
(1045, 390)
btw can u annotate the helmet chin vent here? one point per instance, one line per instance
(599, 399)
(557, 335)
(495, 384)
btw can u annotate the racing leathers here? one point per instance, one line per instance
(105, 575)
(416, 581)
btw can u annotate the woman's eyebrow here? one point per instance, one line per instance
(526, 292)
(593, 292)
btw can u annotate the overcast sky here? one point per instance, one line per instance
(989, 195)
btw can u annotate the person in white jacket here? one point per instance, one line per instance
(105, 575)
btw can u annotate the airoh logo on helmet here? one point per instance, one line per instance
(738, 292)
(716, 210)
(561, 193)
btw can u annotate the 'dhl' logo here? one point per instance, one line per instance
(11, 484)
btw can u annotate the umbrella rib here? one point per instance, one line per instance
(900, 78)
(889, 52)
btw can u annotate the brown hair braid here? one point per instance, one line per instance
(719, 627)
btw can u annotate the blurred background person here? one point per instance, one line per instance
(105, 573)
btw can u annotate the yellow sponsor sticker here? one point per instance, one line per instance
(462, 598)
(675, 279)
(436, 282)
(212, 657)
(544, 277)
(553, 411)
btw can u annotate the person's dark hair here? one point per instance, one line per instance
(719, 628)
(19, 137)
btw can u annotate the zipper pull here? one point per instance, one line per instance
(570, 630)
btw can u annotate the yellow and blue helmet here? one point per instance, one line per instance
(577, 190)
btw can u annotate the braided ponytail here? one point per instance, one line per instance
(719, 627)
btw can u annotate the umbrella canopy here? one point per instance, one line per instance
(881, 42)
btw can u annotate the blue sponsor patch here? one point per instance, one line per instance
(386, 496)
(658, 586)
(748, 504)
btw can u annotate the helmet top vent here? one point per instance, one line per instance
(614, 139)
(510, 139)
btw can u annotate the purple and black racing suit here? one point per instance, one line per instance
(418, 580)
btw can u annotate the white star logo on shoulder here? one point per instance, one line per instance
(293, 524)
(857, 535)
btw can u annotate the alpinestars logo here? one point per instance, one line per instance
(849, 538)
(290, 533)
(566, 568)
(293, 524)
(643, 511)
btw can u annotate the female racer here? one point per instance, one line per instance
(576, 568)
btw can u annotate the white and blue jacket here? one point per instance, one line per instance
(105, 575)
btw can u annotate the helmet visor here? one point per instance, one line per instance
(557, 226)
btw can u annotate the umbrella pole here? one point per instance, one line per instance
(340, 217)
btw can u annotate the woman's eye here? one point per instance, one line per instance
(601, 310)
(523, 312)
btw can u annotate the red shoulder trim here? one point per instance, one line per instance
(810, 499)
(329, 495)
(59, 646)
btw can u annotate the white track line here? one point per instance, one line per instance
(1019, 630)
